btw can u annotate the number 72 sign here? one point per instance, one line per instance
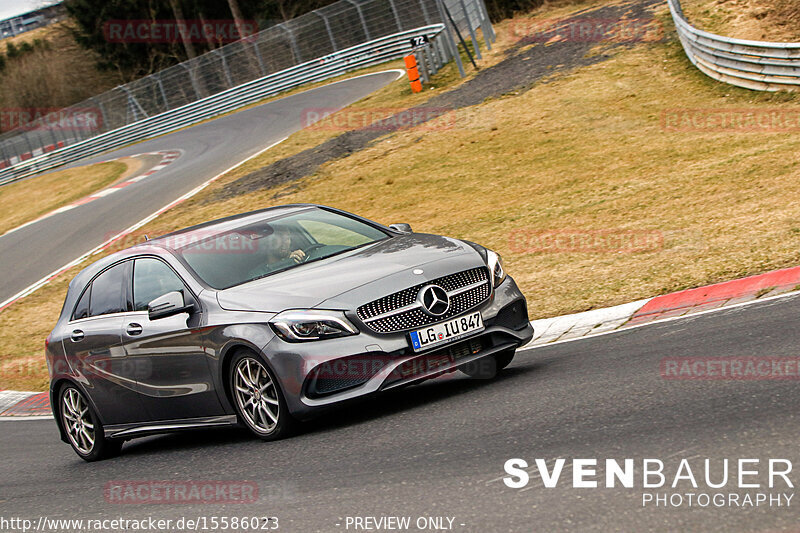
(419, 40)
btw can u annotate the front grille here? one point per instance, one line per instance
(416, 318)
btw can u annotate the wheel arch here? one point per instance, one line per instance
(228, 353)
(55, 403)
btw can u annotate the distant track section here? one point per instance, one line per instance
(757, 65)
(30, 255)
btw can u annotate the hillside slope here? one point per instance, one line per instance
(56, 74)
(761, 20)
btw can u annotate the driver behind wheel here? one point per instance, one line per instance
(279, 247)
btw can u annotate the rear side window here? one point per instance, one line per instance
(82, 309)
(107, 292)
(153, 278)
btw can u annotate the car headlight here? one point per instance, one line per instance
(311, 325)
(495, 264)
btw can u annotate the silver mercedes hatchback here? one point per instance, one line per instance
(264, 319)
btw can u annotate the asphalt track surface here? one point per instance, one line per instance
(33, 252)
(438, 449)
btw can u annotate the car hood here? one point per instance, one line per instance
(353, 278)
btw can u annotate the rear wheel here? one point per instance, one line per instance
(258, 399)
(83, 427)
(488, 367)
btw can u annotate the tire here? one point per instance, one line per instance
(251, 381)
(488, 367)
(504, 358)
(83, 427)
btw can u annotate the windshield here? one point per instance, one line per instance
(234, 256)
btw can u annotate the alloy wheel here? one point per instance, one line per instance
(256, 395)
(78, 421)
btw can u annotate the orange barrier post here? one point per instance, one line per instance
(413, 73)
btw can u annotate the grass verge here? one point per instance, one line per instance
(25, 200)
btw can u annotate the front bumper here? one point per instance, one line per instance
(316, 375)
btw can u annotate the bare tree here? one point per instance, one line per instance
(237, 17)
(181, 22)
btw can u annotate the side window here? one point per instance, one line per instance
(107, 292)
(153, 278)
(82, 309)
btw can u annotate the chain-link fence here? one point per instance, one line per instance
(313, 36)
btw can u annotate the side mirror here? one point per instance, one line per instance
(170, 304)
(401, 228)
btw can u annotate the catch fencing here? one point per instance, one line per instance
(342, 37)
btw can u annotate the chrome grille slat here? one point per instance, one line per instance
(399, 311)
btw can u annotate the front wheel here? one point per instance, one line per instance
(504, 358)
(488, 367)
(258, 400)
(83, 427)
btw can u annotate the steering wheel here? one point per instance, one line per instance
(310, 249)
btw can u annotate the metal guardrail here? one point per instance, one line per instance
(321, 33)
(356, 57)
(757, 65)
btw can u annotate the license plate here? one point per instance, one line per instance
(452, 330)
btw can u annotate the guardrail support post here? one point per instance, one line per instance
(327, 27)
(423, 65)
(471, 30)
(486, 24)
(396, 16)
(218, 52)
(449, 38)
(440, 48)
(133, 104)
(192, 80)
(53, 137)
(361, 17)
(259, 58)
(292, 42)
(425, 14)
(28, 142)
(102, 108)
(163, 93)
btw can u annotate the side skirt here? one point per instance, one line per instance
(140, 429)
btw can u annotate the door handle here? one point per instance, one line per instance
(134, 329)
(77, 335)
